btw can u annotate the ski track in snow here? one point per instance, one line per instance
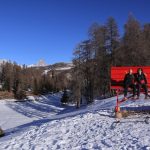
(58, 127)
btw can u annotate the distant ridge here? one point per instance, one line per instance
(3, 61)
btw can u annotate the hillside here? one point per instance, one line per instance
(60, 66)
(34, 80)
(56, 66)
(45, 124)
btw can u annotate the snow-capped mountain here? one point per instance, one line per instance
(40, 63)
(58, 68)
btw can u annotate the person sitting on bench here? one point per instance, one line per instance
(129, 81)
(141, 82)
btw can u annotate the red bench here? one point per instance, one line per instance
(118, 74)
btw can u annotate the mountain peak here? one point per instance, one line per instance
(41, 63)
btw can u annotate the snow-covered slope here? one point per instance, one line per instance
(46, 125)
(59, 67)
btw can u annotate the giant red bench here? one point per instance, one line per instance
(117, 77)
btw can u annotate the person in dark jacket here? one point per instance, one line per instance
(129, 81)
(141, 82)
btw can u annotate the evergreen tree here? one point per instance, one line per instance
(132, 51)
(146, 44)
(112, 40)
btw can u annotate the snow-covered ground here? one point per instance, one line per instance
(46, 125)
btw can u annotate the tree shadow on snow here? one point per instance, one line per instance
(46, 106)
(38, 123)
(137, 109)
(46, 109)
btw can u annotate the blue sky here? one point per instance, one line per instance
(50, 29)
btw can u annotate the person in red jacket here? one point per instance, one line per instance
(141, 82)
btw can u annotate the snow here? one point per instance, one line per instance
(63, 68)
(32, 65)
(32, 98)
(44, 124)
(9, 118)
(58, 69)
(46, 71)
(40, 63)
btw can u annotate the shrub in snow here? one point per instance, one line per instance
(1, 132)
(20, 94)
(65, 98)
(125, 113)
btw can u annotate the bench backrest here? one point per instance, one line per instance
(118, 74)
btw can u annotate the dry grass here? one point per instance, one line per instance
(10, 95)
(6, 95)
(31, 94)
